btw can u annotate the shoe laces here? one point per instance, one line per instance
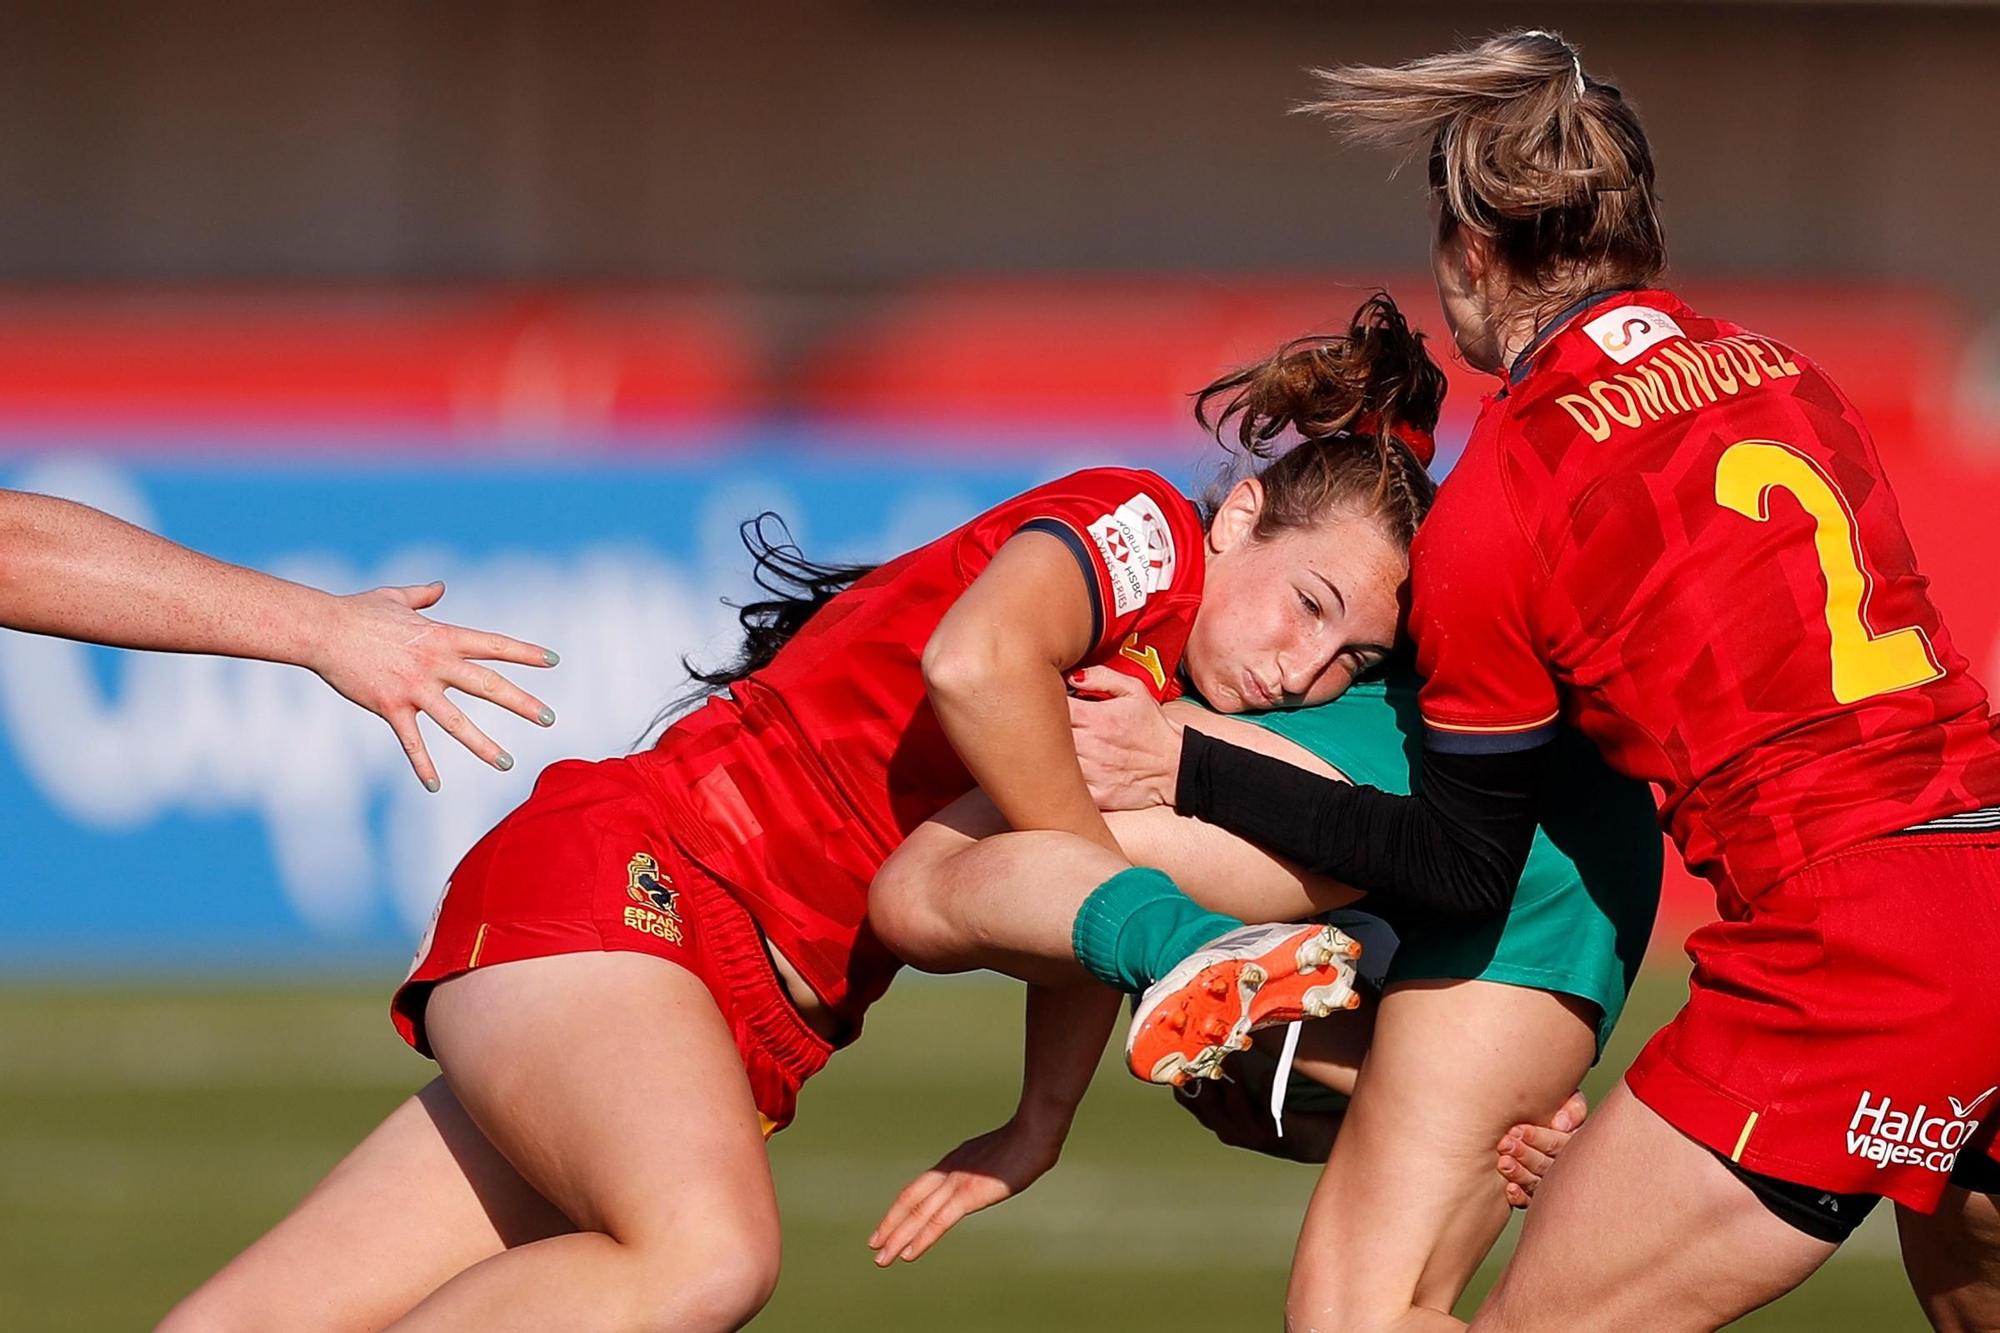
(1282, 1083)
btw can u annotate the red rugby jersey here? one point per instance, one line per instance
(796, 786)
(1676, 534)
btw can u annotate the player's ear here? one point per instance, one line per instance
(1236, 517)
(1476, 256)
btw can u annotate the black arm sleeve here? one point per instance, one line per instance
(1454, 852)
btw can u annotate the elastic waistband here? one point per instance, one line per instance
(730, 939)
(1986, 819)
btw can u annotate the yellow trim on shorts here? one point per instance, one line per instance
(478, 943)
(768, 1125)
(1744, 1138)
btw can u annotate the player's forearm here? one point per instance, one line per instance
(75, 572)
(1221, 869)
(1067, 1028)
(1455, 852)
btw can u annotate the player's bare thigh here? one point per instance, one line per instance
(612, 1083)
(428, 1197)
(422, 1197)
(1638, 1227)
(1216, 868)
(1410, 1201)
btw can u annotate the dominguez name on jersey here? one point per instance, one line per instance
(1682, 376)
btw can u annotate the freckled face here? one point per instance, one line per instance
(1290, 620)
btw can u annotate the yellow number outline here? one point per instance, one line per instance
(1865, 664)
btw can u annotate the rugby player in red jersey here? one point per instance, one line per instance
(631, 976)
(1676, 535)
(77, 573)
(1476, 1029)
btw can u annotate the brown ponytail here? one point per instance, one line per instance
(1361, 406)
(1524, 148)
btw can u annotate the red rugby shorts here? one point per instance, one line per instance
(587, 864)
(1842, 1029)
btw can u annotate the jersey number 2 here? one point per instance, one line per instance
(1864, 664)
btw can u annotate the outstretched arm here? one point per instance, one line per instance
(76, 573)
(1067, 1028)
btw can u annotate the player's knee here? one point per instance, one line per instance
(723, 1298)
(735, 1290)
(905, 915)
(1345, 1315)
(719, 1283)
(1328, 1296)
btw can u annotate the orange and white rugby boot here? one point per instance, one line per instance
(1255, 977)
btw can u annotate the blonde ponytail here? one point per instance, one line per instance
(1524, 147)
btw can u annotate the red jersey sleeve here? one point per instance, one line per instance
(1475, 580)
(1137, 541)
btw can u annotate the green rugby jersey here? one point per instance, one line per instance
(1584, 910)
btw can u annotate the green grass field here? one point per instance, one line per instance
(148, 1133)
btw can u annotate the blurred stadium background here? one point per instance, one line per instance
(542, 298)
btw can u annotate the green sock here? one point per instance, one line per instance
(1135, 926)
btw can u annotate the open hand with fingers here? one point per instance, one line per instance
(977, 1174)
(1126, 744)
(1527, 1151)
(378, 651)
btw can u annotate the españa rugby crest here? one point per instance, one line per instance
(660, 912)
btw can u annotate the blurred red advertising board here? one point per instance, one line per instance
(451, 361)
